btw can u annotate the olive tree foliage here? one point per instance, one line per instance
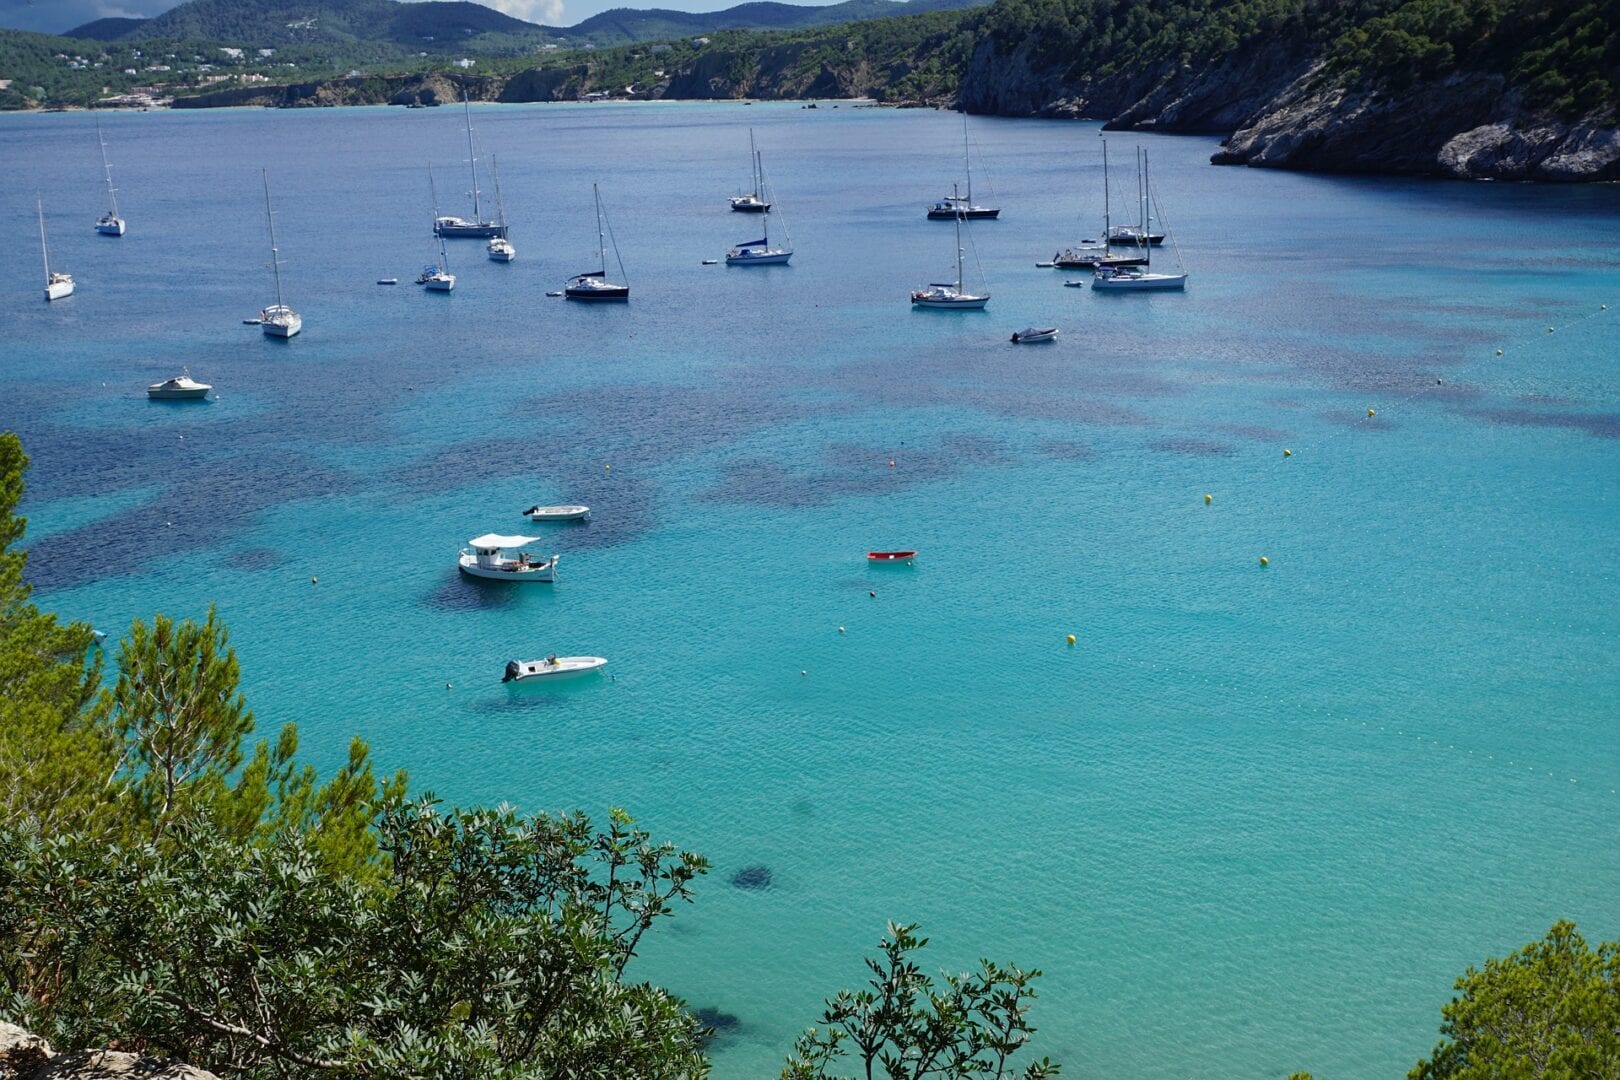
(907, 1027)
(490, 946)
(1551, 1009)
(56, 753)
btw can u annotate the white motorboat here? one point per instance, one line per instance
(950, 295)
(552, 667)
(57, 285)
(180, 388)
(108, 224)
(480, 226)
(1030, 335)
(558, 513)
(485, 557)
(754, 202)
(954, 207)
(278, 320)
(501, 250)
(760, 252)
(593, 284)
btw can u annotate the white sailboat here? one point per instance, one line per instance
(1141, 278)
(593, 284)
(954, 206)
(760, 252)
(950, 295)
(753, 202)
(278, 320)
(436, 276)
(479, 226)
(108, 224)
(57, 285)
(500, 248)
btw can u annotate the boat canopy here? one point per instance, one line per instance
(494, 540)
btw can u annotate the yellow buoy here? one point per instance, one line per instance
(1287, 452)
(1208, 499)
(1264, 561)
(1371, 413)
(1071, 639)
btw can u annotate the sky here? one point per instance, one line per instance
(55, 16)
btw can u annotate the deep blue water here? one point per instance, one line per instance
(1257, 820)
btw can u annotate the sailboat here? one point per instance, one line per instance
(950, 295)
(955, 206)
(437, 276)
(593, 284)
(57, 286)
(108, 224)
(277, 320)
(479, 226)
(500, 248)
(1092, 255)
(1137, 278)
(759, 252)
(753, 203)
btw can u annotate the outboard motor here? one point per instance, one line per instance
(513, 670)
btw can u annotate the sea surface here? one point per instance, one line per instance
(1257, 819)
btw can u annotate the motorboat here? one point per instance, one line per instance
(950, 295)
(1123, 278)
(479, 226)
(890, 556)
(593, 284)
(558, 513)
(552, 667)
(753, 202)
(501, 250)
(108, 224)
(180, 388)
(57, 285)
(1033, 334)
(954, 207)
(485, 557)
(278, 320)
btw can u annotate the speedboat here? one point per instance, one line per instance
(558, 513)
(1033, 334)
(552, 667)
(501, 250)
(594, 287)
(180, 388)
(1124, 278)
(890, 556)
(485, 557)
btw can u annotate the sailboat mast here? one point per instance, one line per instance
(472, 158)
(1107, 224)
(753, 162)
(958, 220)
(106, 168)
(601, 238)
(500, 206)
(1147, 241)
(967, 162)
(44, 249)
(275, 255)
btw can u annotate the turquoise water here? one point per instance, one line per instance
(1256, 820)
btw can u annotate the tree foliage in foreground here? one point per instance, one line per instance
(914, 1029)
(1551, 1009)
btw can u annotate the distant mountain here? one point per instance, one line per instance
(628, 26)
(286, 22)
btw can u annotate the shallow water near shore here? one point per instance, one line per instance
(1256, 820)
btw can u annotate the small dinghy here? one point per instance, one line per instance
(557, 513)
(890, 556)
(710, 262)
(1035, 333)
(552, 667)
(554, 292)
(388, 281)
(1075, 284)
(252, 322)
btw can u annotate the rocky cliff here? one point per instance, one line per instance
(28, 1057)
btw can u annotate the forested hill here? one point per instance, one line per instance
(623, 26)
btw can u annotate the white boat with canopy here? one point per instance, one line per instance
(558, 513)
(552, 667)
(57, 285)
(485, 557)
(180, 388)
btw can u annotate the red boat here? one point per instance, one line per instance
(891, 556)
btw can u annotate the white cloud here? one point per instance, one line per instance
(548, 12)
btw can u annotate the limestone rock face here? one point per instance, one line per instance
(24, 1056)
(20, 1051)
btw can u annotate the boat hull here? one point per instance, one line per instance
(976, 213)
(890, 556)
(470, 232)
(440, 284)
(955, 303)
(546, 573)
(197, 393)
(617, 293)
(1140, 283)
(764, 258)
(558, 513)
(1034, 336)
(282, 328)
(111, 227)
(748, 206)
(58, 290)
(502, 256)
